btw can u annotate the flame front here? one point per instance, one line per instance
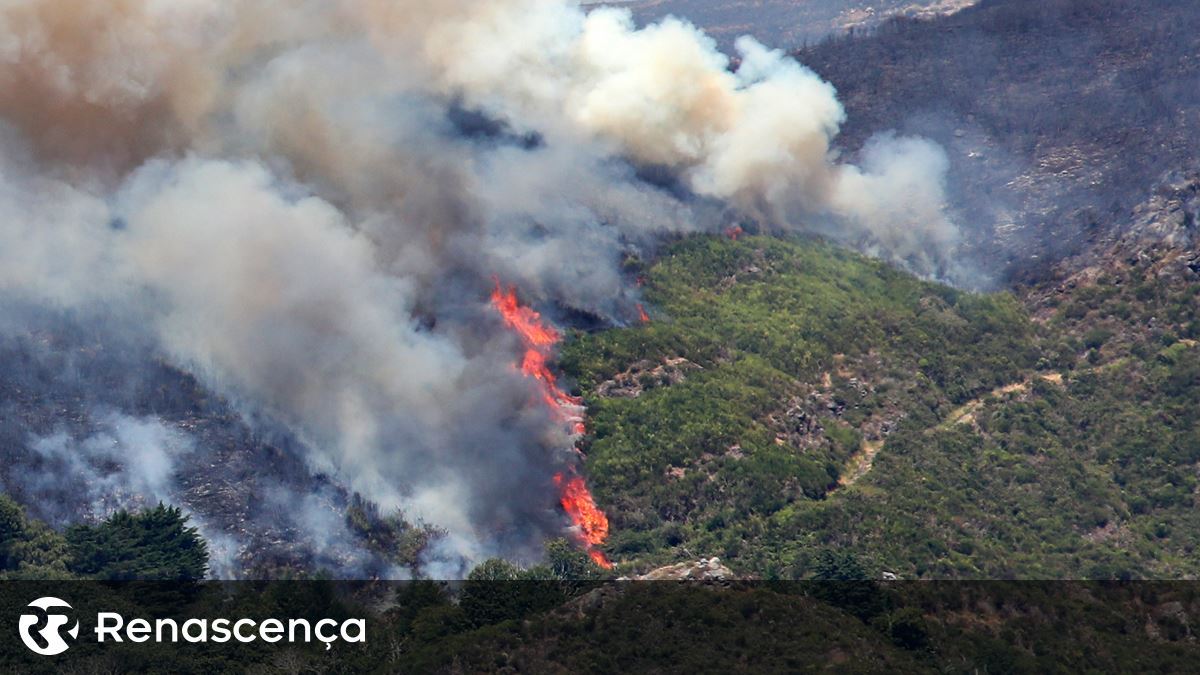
(523, 320)
(578, 503)
(540, 339)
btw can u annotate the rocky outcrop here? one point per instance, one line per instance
(645, 375)
(1160, 239)
(704, 569)
(1169, 217)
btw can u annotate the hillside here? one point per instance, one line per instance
(785, 23)
(267, 303)
(556, 339)
(790, 398)
(844, 627)
(78, 401)
(1058, 116)
(559, 617)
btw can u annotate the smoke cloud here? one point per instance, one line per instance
(127, 463)
(303, 204)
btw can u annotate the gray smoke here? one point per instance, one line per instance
(126, 463)
(303, 204)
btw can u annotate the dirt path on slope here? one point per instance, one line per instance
(863, 461)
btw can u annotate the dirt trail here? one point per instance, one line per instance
(863, 460)
(965, 414)
(861, 463)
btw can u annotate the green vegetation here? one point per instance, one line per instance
(155, 544)
(28, 548)
(801, 411)
(390, 536)
(1007, 448)
(856, 626)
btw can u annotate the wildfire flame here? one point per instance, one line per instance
(540, 339)
(642, 315)
(577, 501)
(734, 232)
(523, 320)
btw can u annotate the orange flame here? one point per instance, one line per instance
(734, 232)
(523, 320)
(540, 339)
(577, 501)
(642, 315)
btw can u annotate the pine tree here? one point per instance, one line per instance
(156, 544)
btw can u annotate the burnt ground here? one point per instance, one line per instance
(261, 508)
(783, 24)
(1059, 115)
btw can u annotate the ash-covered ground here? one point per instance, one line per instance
(1058, 117)
(786, 23)
(92, 421)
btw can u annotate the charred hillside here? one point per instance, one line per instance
(93, 422)
(1058, 116)
(786, 23)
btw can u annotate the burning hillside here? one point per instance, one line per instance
(292, 203)
(539, 339)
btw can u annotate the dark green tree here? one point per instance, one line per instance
(492, 594)
(156, 544)
(841, 580)
(29, 549)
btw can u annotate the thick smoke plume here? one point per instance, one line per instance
(304, 203)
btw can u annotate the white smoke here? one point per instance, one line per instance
(127, 463)
(759, 136)
(124, 463)
(279, 194)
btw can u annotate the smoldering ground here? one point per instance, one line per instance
(284, 200)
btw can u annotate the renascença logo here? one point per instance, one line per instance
(112, 627)
(51, 633)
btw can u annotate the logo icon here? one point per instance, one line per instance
(50, 634)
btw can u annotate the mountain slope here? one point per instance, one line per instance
(785, 23)
(983, 438)
(1058, 116)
